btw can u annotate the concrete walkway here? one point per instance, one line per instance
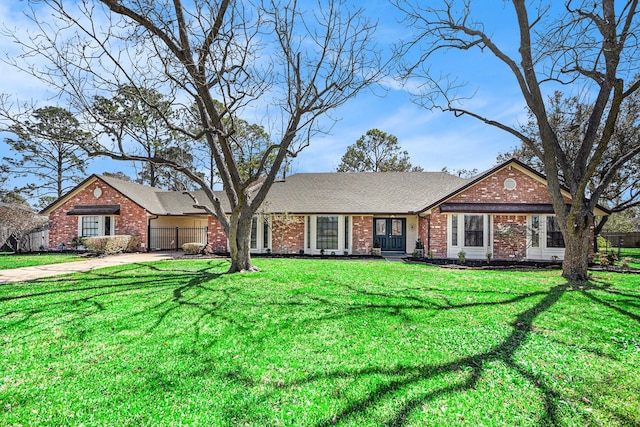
(26, 274)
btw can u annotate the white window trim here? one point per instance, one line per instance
(471, 252)
(260, 224)
(100, 225)
(543, 252)
(311, 247)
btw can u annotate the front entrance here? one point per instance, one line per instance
(390, 233)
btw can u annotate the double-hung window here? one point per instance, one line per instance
(554, 235)
(327, 232)
(95, 225)
(474, 230)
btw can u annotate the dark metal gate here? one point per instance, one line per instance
(169, 238)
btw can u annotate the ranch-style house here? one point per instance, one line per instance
(502, 213)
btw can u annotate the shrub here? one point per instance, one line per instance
(606, 259)
(134, 240)
(193, 248)
(77, 241)
(603, 244)
(108, 245)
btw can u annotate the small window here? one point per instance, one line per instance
(554, 235)
(381, 227)
(254, 233)
(454, 230)
(346, 232)
(510, 184)
(474, 230)
(265, 233)
(396, 227)
(535, 231)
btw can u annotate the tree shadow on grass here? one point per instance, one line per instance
(193, 289)
(505, 352)
(72, 295)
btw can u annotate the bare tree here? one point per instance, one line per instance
(564, 113)
(287, 63)
(16, 220)
(591, 47)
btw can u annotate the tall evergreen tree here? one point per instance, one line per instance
(376, 151)
(47, 147)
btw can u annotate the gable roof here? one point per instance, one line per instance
(309, 193)
(363, 193)
(476, 179)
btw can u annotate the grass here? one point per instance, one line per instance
(10, 260)
(318, 343)
(633, 253)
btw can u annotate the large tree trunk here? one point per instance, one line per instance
(577, 239)
(240, 243)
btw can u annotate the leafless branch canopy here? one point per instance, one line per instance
(592, 45)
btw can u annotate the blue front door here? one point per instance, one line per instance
(390, 234)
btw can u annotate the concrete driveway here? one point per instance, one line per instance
(26, 274)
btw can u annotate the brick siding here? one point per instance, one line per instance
(287, 233)
(131, 221)
(362, 234)
(489, 190)
(216, 238)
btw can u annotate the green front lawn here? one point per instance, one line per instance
(319, 343)
(10, 260)
(634, 254)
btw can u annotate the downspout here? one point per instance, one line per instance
(149, 232)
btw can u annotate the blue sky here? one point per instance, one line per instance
(433, 139)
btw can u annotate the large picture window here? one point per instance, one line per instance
(554, 235)
(95, 225)
(327, 232)
(474, 230)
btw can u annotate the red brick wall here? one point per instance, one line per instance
(287, 233)
(216, 237)
(509, 245)
(362, 234)
(131, 221)
(491, 189)
(438, 243)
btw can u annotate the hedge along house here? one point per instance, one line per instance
(505, 212)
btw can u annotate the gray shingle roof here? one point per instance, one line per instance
(359, 193)
(315, 193)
